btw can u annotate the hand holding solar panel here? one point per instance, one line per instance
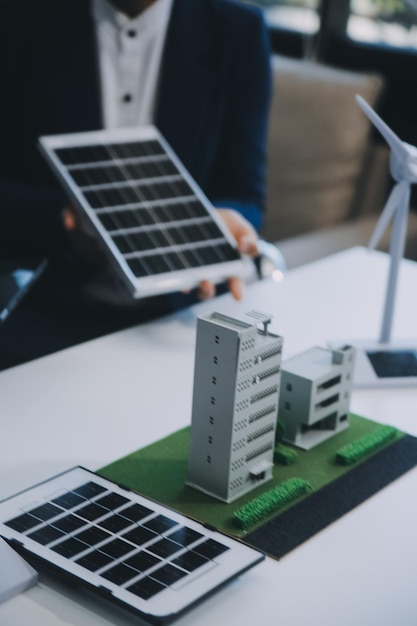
(161, 233)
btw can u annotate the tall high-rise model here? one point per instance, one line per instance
(235, 403)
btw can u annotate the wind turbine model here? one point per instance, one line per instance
(403, 166)
(382, 364)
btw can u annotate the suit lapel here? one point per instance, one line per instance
(189, 90)
(189, 85)
(72, 56)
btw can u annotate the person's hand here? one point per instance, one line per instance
(83, 239)
(69, 218)
(247, 243)
(86, 244)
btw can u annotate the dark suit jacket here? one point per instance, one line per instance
(212, 106)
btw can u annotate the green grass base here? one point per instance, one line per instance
(159, 471)
(361, 448)
(271, 501)
(284, 455)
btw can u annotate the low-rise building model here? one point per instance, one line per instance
(235, 403)
(315, 395)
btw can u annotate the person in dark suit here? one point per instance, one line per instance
(211, 104)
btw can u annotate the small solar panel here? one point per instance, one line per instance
(161, 231)
(133, 551)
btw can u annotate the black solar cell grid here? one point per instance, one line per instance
(164, 548)
(46, 534)
(94, 560)
(139, 535)
(119, 573)
(160, 524)
(142, 561)
(168, 574)
(92, 511)
(109, 538)
(112, 501)
(89, 490)
(145, 588)
(151, 214)
(210, 549)
(115, 523)
(22, 523)
(69, 547)
(99, 153)
(185, 536)
(190, 561)
(69, 523)
(122, 170)
(117, 548)
(136, 512)
(69, 500)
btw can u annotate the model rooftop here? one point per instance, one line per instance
(315, 362)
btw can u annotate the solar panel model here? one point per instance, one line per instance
(161, 231)
(124, 547)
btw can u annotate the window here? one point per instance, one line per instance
(297, 15)
(378, 36)
(293, 24)
(391, 23)
(386, 22)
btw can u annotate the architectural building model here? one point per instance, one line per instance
(235, 404)
(315, 395)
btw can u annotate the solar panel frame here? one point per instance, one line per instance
(157, 281)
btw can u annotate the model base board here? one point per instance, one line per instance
(159, 471)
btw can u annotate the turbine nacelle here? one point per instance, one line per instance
(404, 167)
(403, 161)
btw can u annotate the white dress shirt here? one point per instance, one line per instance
(129, 54)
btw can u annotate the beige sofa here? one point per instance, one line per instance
(327, 177)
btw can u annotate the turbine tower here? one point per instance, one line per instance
(403, 167)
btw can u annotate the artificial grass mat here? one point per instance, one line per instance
(159, 471)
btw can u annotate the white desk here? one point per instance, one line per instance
(96, 402)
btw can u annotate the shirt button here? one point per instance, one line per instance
(127, 97)
(131, 33)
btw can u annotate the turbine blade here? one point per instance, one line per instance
(391, 206)
(391, 138)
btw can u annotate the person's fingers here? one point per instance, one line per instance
(83, 240)
(244, 233)
(75, 221)
(206, 290)
(248, 244)
(69, 219)
(236, 288)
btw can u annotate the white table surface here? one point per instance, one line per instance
(96, 402)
